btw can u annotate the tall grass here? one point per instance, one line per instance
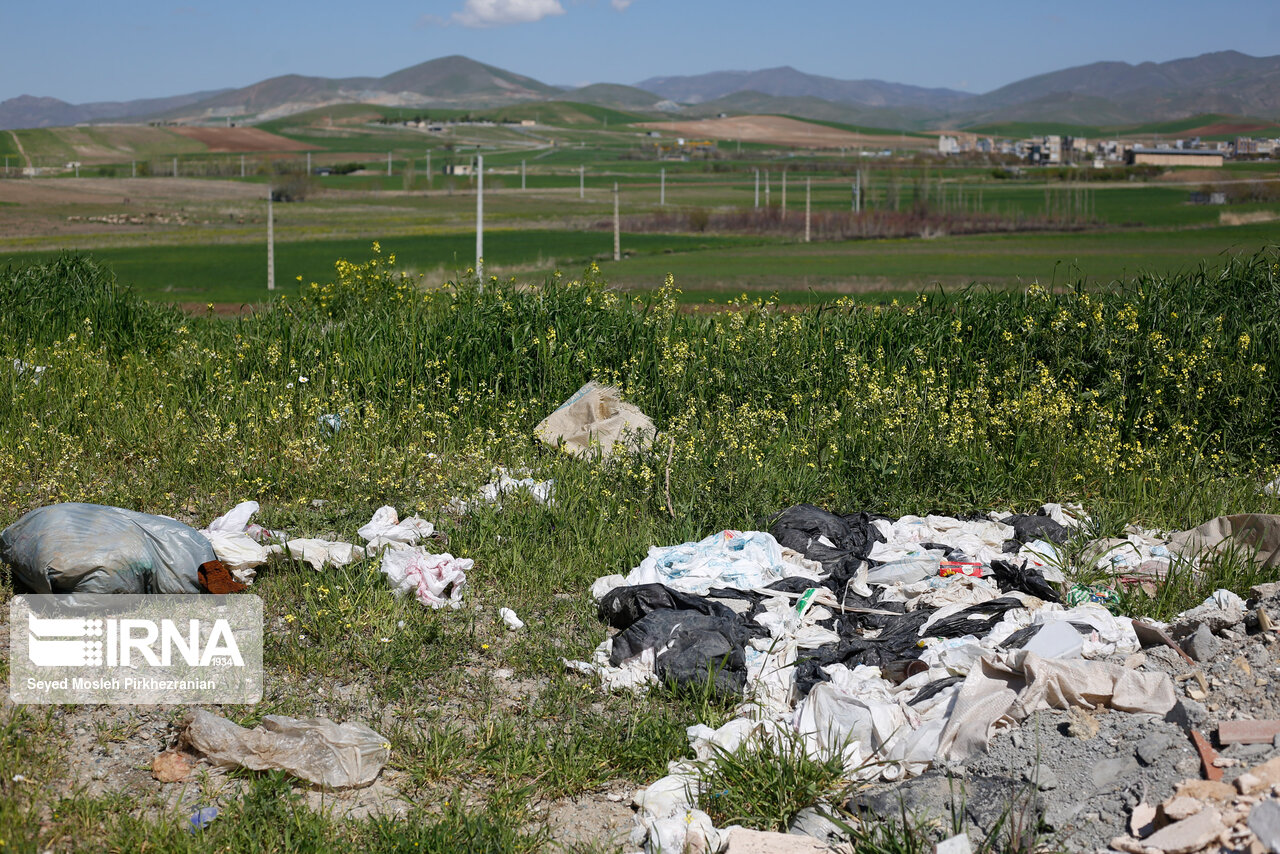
(1158, 397)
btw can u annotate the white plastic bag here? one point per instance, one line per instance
(437, 580)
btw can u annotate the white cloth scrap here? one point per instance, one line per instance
(436, 580)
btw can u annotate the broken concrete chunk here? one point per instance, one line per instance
(1150, 748)
(1247, 783)
(1142, 820)
(1042, 776)
(1190, 834)
(1201, 644)
(1264, 821)
(958, 844)
(1180, 806)
(1269, 590)
(1217, 617)
(1206, 790)
(1108, 772)
(743, 841)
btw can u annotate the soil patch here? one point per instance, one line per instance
(222, 140)
(777, 130)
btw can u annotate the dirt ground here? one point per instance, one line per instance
(776, 130)
(95, 205)
(222, 140)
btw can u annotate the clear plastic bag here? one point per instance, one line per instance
(335, 756)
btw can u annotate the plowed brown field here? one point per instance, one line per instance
(241, 139)
(777, 130)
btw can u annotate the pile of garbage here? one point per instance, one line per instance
(90, 548)
(900, 646)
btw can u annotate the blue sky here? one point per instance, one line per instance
(81, 51)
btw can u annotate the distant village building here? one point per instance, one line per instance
(1172, 157)
(948, 144)
(1245, 146)
(462, 169)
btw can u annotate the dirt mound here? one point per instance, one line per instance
(222, 140)
(777, 130)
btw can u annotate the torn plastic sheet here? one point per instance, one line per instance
(595, 417)
(1006, 688)
(335, 756)
(541, 491)
(238, 542)
(436, 580)
(387, 528)
(320, 553)
(741, 560)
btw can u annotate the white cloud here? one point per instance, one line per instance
(620, 5)
(497, 13)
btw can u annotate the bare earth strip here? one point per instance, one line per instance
(21, 151)
(222, 140)
(777, 130)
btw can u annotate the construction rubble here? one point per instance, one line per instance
(959, 676)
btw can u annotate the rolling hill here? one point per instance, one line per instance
(1098, 94)
(786, 81)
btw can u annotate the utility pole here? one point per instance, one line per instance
(766, 189)
(77, 168)
(480, 218)
(388, 164)
(522, 184)
(271, 243)
(133, 166)
(428, 169)
(662, 185)
(784, 193)
(308, 162)
(582, 181)
(807, 183)
(617, 231)
(757, 188)
(241, 165)
(175, 167)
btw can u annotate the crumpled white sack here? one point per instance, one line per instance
(318, 553)
(509, 617)
(234, 546)
(635, 674)
(437, 580)
(743, 560)
(387, 528)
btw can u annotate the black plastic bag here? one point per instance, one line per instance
(1024, 579)
(623, 606)
(690, 648)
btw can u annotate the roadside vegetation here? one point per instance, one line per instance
(1154, 401)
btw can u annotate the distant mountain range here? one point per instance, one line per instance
(1099, 94)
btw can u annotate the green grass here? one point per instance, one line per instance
(1150, 401)
(911, 264)
(236, 273)
(709, 267)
